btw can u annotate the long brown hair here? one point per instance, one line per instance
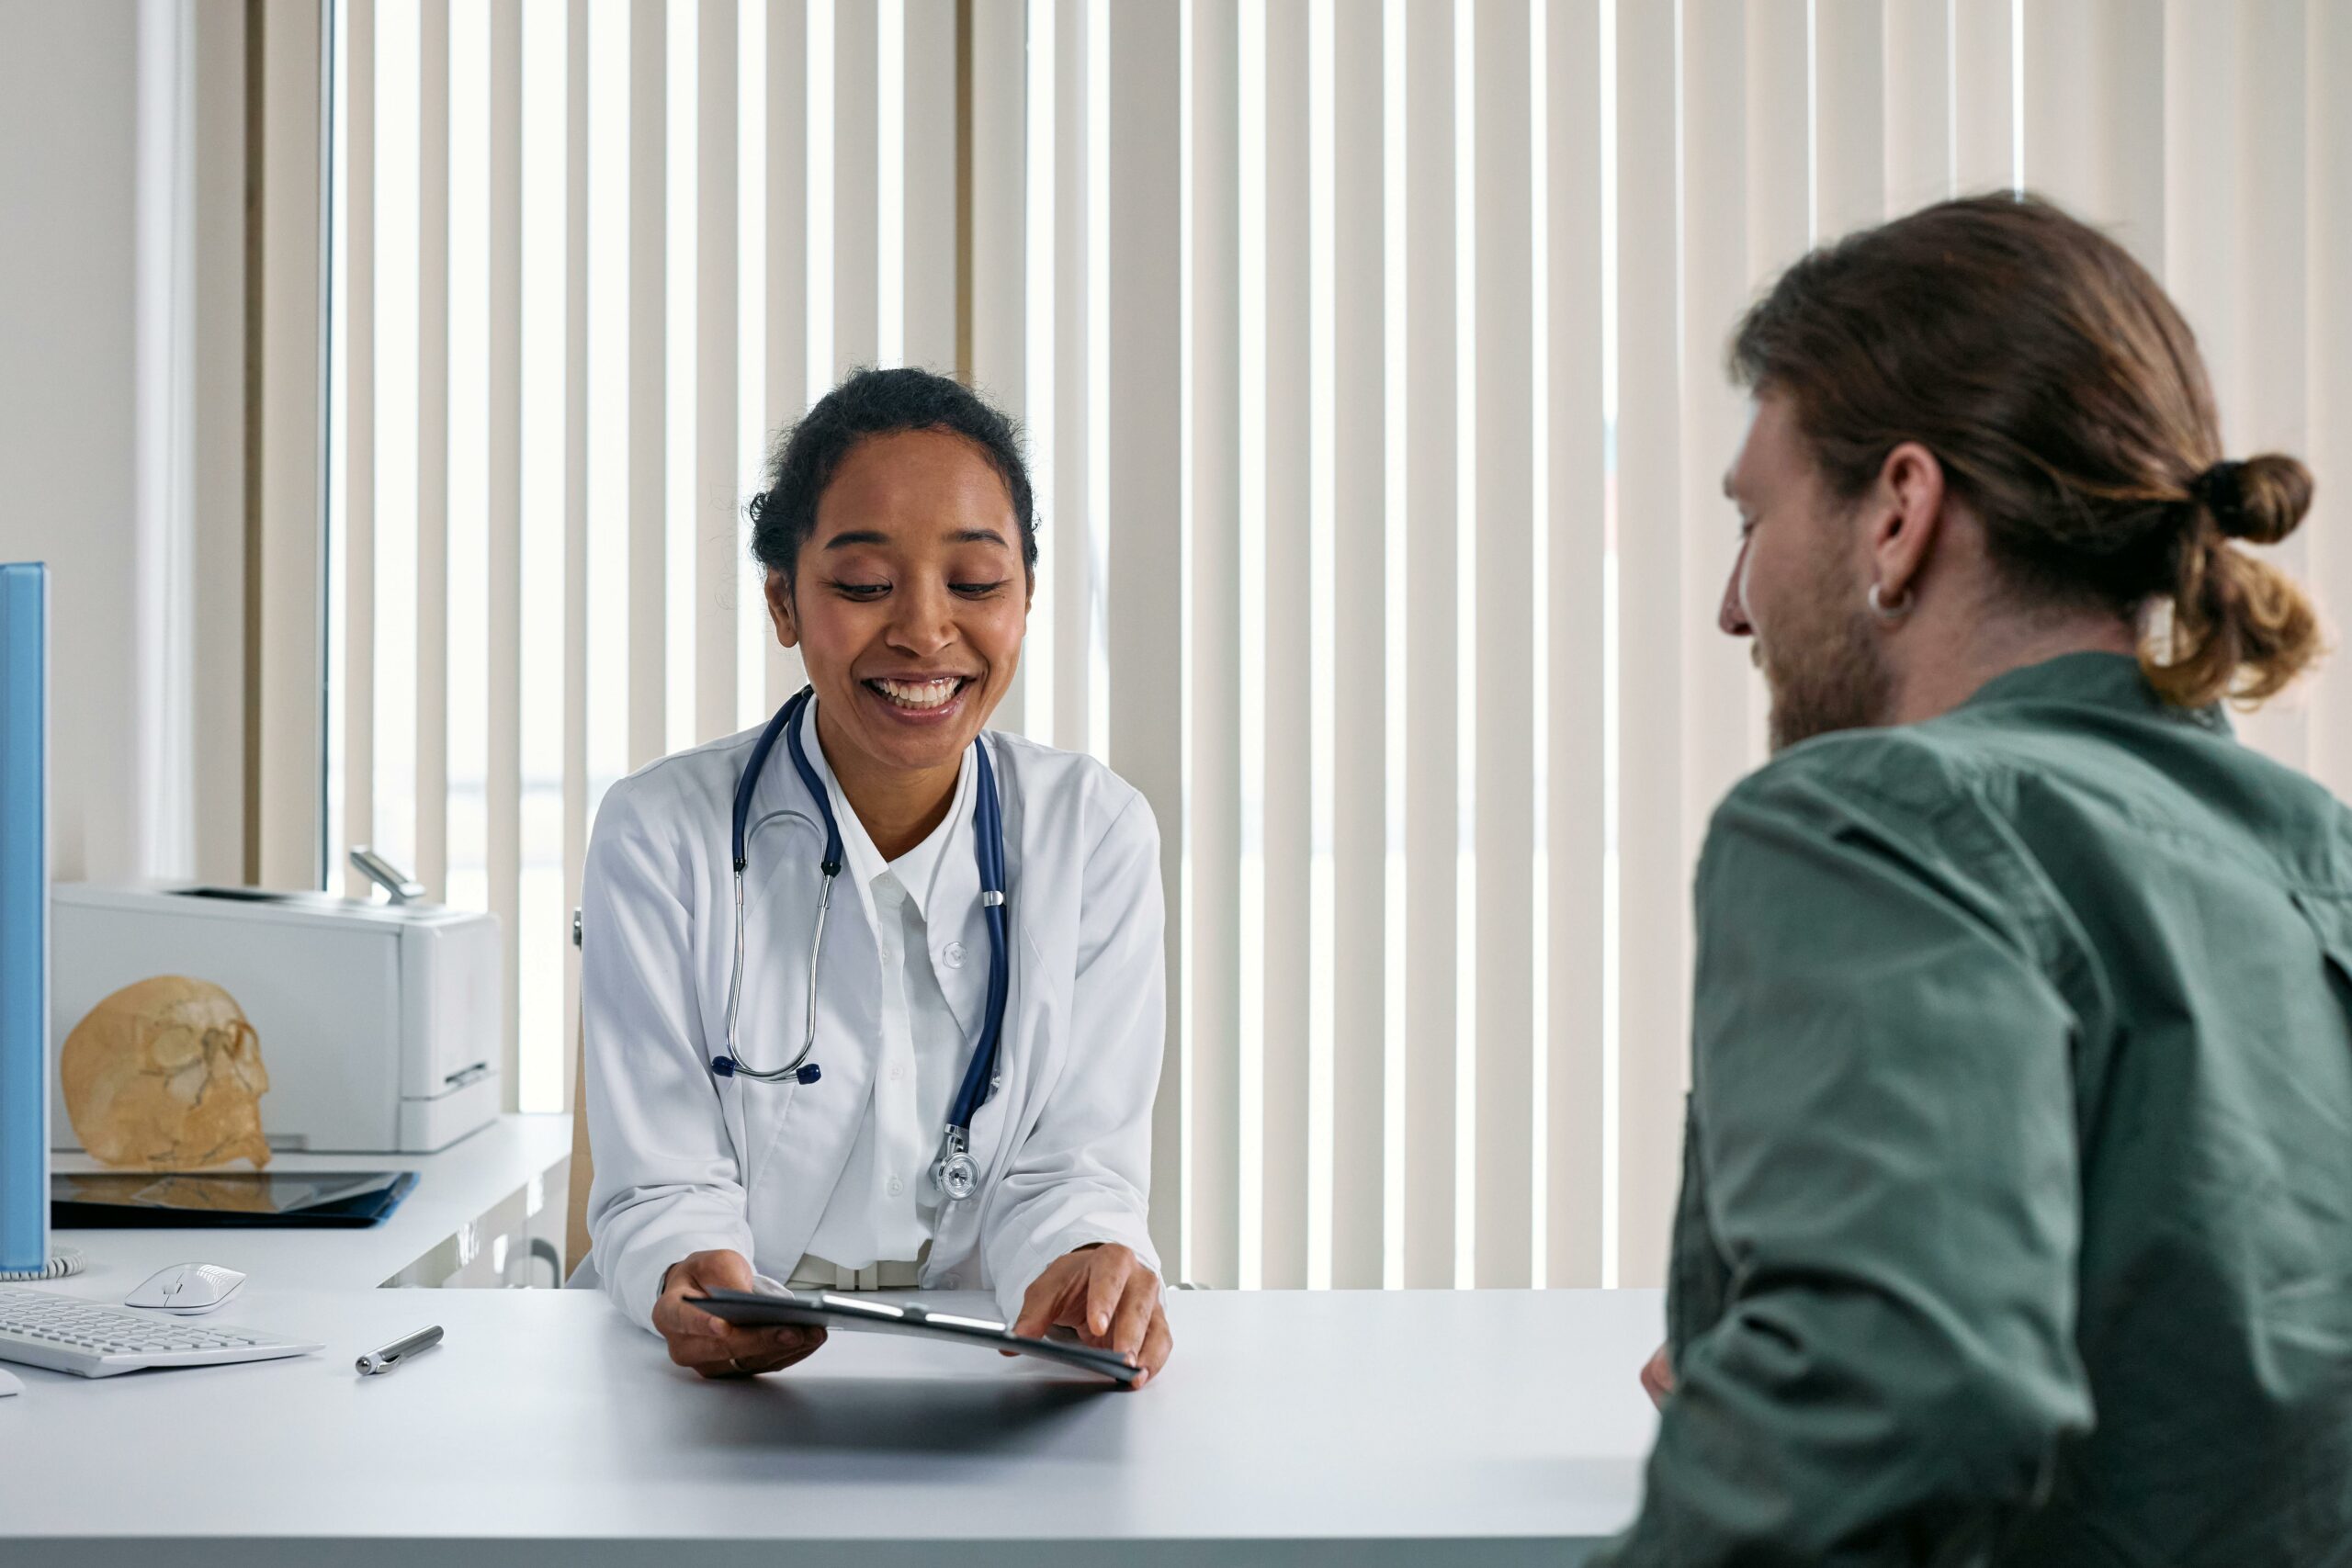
(2065, 398)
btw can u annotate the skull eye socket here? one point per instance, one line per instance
(176, 1046)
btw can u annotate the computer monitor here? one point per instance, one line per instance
(24, 919)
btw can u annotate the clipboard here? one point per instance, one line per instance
(831, 1310)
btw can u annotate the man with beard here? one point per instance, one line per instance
(2015, 1225)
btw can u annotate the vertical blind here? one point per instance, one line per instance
(1370, 356)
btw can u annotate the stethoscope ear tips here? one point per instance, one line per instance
(808, 1074)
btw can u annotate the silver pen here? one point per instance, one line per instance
(398, 1350)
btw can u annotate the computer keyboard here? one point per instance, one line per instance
(96, 1339)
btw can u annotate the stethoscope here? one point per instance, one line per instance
(955, 1172)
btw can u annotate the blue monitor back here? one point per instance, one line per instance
(24, 917)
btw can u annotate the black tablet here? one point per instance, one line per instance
(835, 1311)
(115, 1199)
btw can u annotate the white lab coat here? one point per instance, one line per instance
(686, 1161)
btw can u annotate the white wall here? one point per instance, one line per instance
(67, 188)
(69, 201)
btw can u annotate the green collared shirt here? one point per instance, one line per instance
(2016, 1216)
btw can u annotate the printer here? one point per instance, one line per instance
(381, 1025)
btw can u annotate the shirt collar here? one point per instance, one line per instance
(917, 871)
(2110, 680)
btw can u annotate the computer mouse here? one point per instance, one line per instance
(9, 1383)
(186, 1288)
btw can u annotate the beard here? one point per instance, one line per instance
(1823, 665)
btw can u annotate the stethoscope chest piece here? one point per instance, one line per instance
(958, 1177)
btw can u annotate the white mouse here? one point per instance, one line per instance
(9, 1383)
(186, 1288)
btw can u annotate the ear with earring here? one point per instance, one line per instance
(1898, 609)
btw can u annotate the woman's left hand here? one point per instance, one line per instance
(1105, 1294)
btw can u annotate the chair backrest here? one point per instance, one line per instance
(583, 1165)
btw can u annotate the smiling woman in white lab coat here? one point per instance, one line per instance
(900, 546)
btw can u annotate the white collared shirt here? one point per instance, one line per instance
(885, 1207)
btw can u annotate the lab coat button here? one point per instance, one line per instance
(897, 1187)
(953, 954)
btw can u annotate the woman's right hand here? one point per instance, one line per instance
(711, 1346)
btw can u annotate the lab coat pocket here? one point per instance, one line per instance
(731, 1112)
(778, 925)
(1031, 1024)
(763, 1109)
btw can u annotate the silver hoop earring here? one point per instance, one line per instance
(1886, 612)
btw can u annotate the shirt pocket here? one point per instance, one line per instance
(1696, 1277)
(2330, 915)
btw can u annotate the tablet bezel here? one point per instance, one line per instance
(833, 1309)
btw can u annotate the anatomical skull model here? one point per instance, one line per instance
(166, 1075)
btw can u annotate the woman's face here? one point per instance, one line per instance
(909, 602)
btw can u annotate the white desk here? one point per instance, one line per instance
(483, 1197)
(1458, 1428)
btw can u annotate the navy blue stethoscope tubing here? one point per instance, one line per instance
(987, 848)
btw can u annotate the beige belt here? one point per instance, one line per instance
(814, 1273)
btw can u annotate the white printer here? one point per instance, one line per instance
(381, 1025)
